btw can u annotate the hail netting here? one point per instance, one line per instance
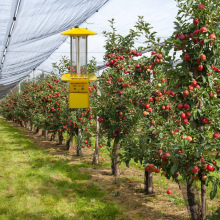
(36, 33)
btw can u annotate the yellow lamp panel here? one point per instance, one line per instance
(79, 100)
(78, 87)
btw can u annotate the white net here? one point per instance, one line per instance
(30, 33)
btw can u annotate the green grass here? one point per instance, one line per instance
(32, 186)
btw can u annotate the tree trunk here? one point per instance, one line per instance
(203, 187)
(43, 132)
(52, 137)
(203, 200)
(36, 130)
(194, 206)
(70, 142)
(148, 175)
(46, 134)
(30, 126)
(115, 158)
(148, 182)
(60, 138)
(79, 148)
(96, 152)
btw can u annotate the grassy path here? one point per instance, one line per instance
(34, 186)
(40, 180)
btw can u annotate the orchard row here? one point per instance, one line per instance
(161, 109)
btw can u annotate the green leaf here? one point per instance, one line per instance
(214, 190)
(217, 155)
(174, 169)
(127, 163)
(210, 83)
(203, 79)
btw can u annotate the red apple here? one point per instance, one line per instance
(179, 106)
(195, 169)
(200, 67)
(186, 106)
(186, 92)
(187, 57)
(165, 156)
(205, 121)
(201, 6)
(203, 57)
(183, 115)
(215, 135)
(185, 121)
(201, 42)
(188, 114)
(168, 191)
(194, 82)
(212, 36)
(160, 151)
(202, 29)
(191, 87)
(210, 167)
(195, 21)
(211, 95)
(145, 113)
(151, 99)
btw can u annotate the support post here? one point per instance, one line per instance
(34, 73)
(19, 87)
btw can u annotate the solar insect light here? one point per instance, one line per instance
(78, 77)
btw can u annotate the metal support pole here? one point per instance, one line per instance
(78, 56)
(19, 87)
(71, 56)
(86, 55)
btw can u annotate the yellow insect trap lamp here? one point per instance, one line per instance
(78, 77)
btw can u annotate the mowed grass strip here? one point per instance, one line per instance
(33, 186)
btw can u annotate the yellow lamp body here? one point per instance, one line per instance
(78, 89)
(78, 77)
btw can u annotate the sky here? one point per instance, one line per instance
(159, 13)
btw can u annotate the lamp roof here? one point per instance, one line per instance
(78, 32)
